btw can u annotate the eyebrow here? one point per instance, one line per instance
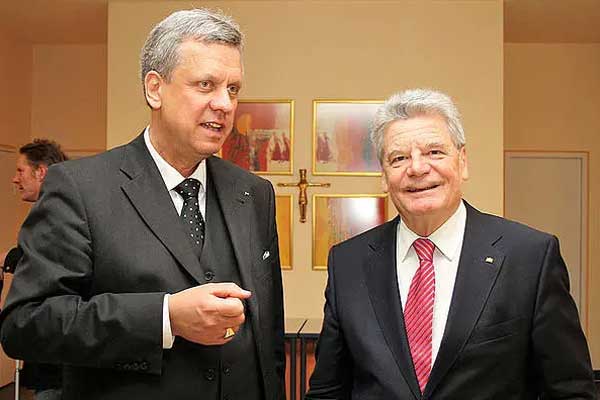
(435, 144)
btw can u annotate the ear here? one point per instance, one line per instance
(40, 172)
(153, 83)
(384, 183)
(464, 165)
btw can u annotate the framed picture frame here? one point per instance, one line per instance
(340, 134)
(337, 217)
(284, 217)
(262, 137)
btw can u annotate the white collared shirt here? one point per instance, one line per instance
(448, 240)
(172, 178)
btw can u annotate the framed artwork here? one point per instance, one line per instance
(284, 207)
(340, 217)
(341, 143)
(262, 137)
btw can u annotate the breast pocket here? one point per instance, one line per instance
(497, 331)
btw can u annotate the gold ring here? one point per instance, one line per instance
(229, 333)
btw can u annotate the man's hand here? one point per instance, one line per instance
(202, 314)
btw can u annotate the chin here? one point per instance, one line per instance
(423, 206)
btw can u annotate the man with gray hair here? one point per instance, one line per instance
(152, 271)
(445, 302)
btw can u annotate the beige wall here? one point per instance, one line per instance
(551, 102)
(15, 81)
(53, 91)
(68, 102)
(336, 49)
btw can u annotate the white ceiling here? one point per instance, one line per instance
(85, 21)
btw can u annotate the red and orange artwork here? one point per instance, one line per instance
(341, 143)
(340, 217)
(262, 135)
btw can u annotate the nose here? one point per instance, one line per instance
(15, 179)
(418, 165)
(222, 101)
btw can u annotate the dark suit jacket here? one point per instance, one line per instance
(102, 246)
(512, 331)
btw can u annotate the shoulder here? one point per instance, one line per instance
(92, 165)
(513, 232)
(373, 238)
(236, 173)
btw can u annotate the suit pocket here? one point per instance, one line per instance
(497, 331)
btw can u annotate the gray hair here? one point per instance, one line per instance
(413, 103)
(160, 52)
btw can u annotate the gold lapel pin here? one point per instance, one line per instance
(489, 260)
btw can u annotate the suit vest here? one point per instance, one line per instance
(232, 371)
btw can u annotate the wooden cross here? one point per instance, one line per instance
(302, 185)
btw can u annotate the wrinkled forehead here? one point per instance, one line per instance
(418, 131)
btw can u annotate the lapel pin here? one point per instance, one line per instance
(246, 194)
(266, 254)
(489, 260)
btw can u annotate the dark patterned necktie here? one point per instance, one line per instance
(190, 213)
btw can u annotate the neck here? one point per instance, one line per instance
(425, 225)
(173, 154)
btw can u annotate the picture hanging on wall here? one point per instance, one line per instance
(341, 143)
(262, 137)
(284, 207)
(339, 217)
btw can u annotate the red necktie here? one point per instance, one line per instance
(418, 313)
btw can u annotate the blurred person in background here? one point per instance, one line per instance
(32, 165)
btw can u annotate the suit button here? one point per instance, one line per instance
(209, 374)
(209, 275)
(226, 370)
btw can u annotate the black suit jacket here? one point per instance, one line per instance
(512, 331)
(102, 246)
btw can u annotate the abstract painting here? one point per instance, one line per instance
(262, 137)
(340, 217)
(341, 143)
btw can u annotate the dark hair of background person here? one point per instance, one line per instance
(43, 152)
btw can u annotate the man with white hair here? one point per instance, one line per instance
(445, 302)
(152, 271)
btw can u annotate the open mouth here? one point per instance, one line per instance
(213, 126)
(422, 189)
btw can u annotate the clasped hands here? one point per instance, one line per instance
(203, 313)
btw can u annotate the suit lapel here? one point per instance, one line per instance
(382, 284)
(479, 265)
(234, 196)
(147, 192)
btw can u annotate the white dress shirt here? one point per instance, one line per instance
(172, 178)
(448, 240)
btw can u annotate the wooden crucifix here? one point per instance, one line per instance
(302, 185)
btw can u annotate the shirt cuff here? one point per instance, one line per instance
(167, 335)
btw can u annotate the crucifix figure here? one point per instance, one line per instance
(302, 185)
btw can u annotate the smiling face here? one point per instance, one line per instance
(193, 112)
(423, 171)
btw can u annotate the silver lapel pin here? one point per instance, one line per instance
(489, 260)
(266, 254)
